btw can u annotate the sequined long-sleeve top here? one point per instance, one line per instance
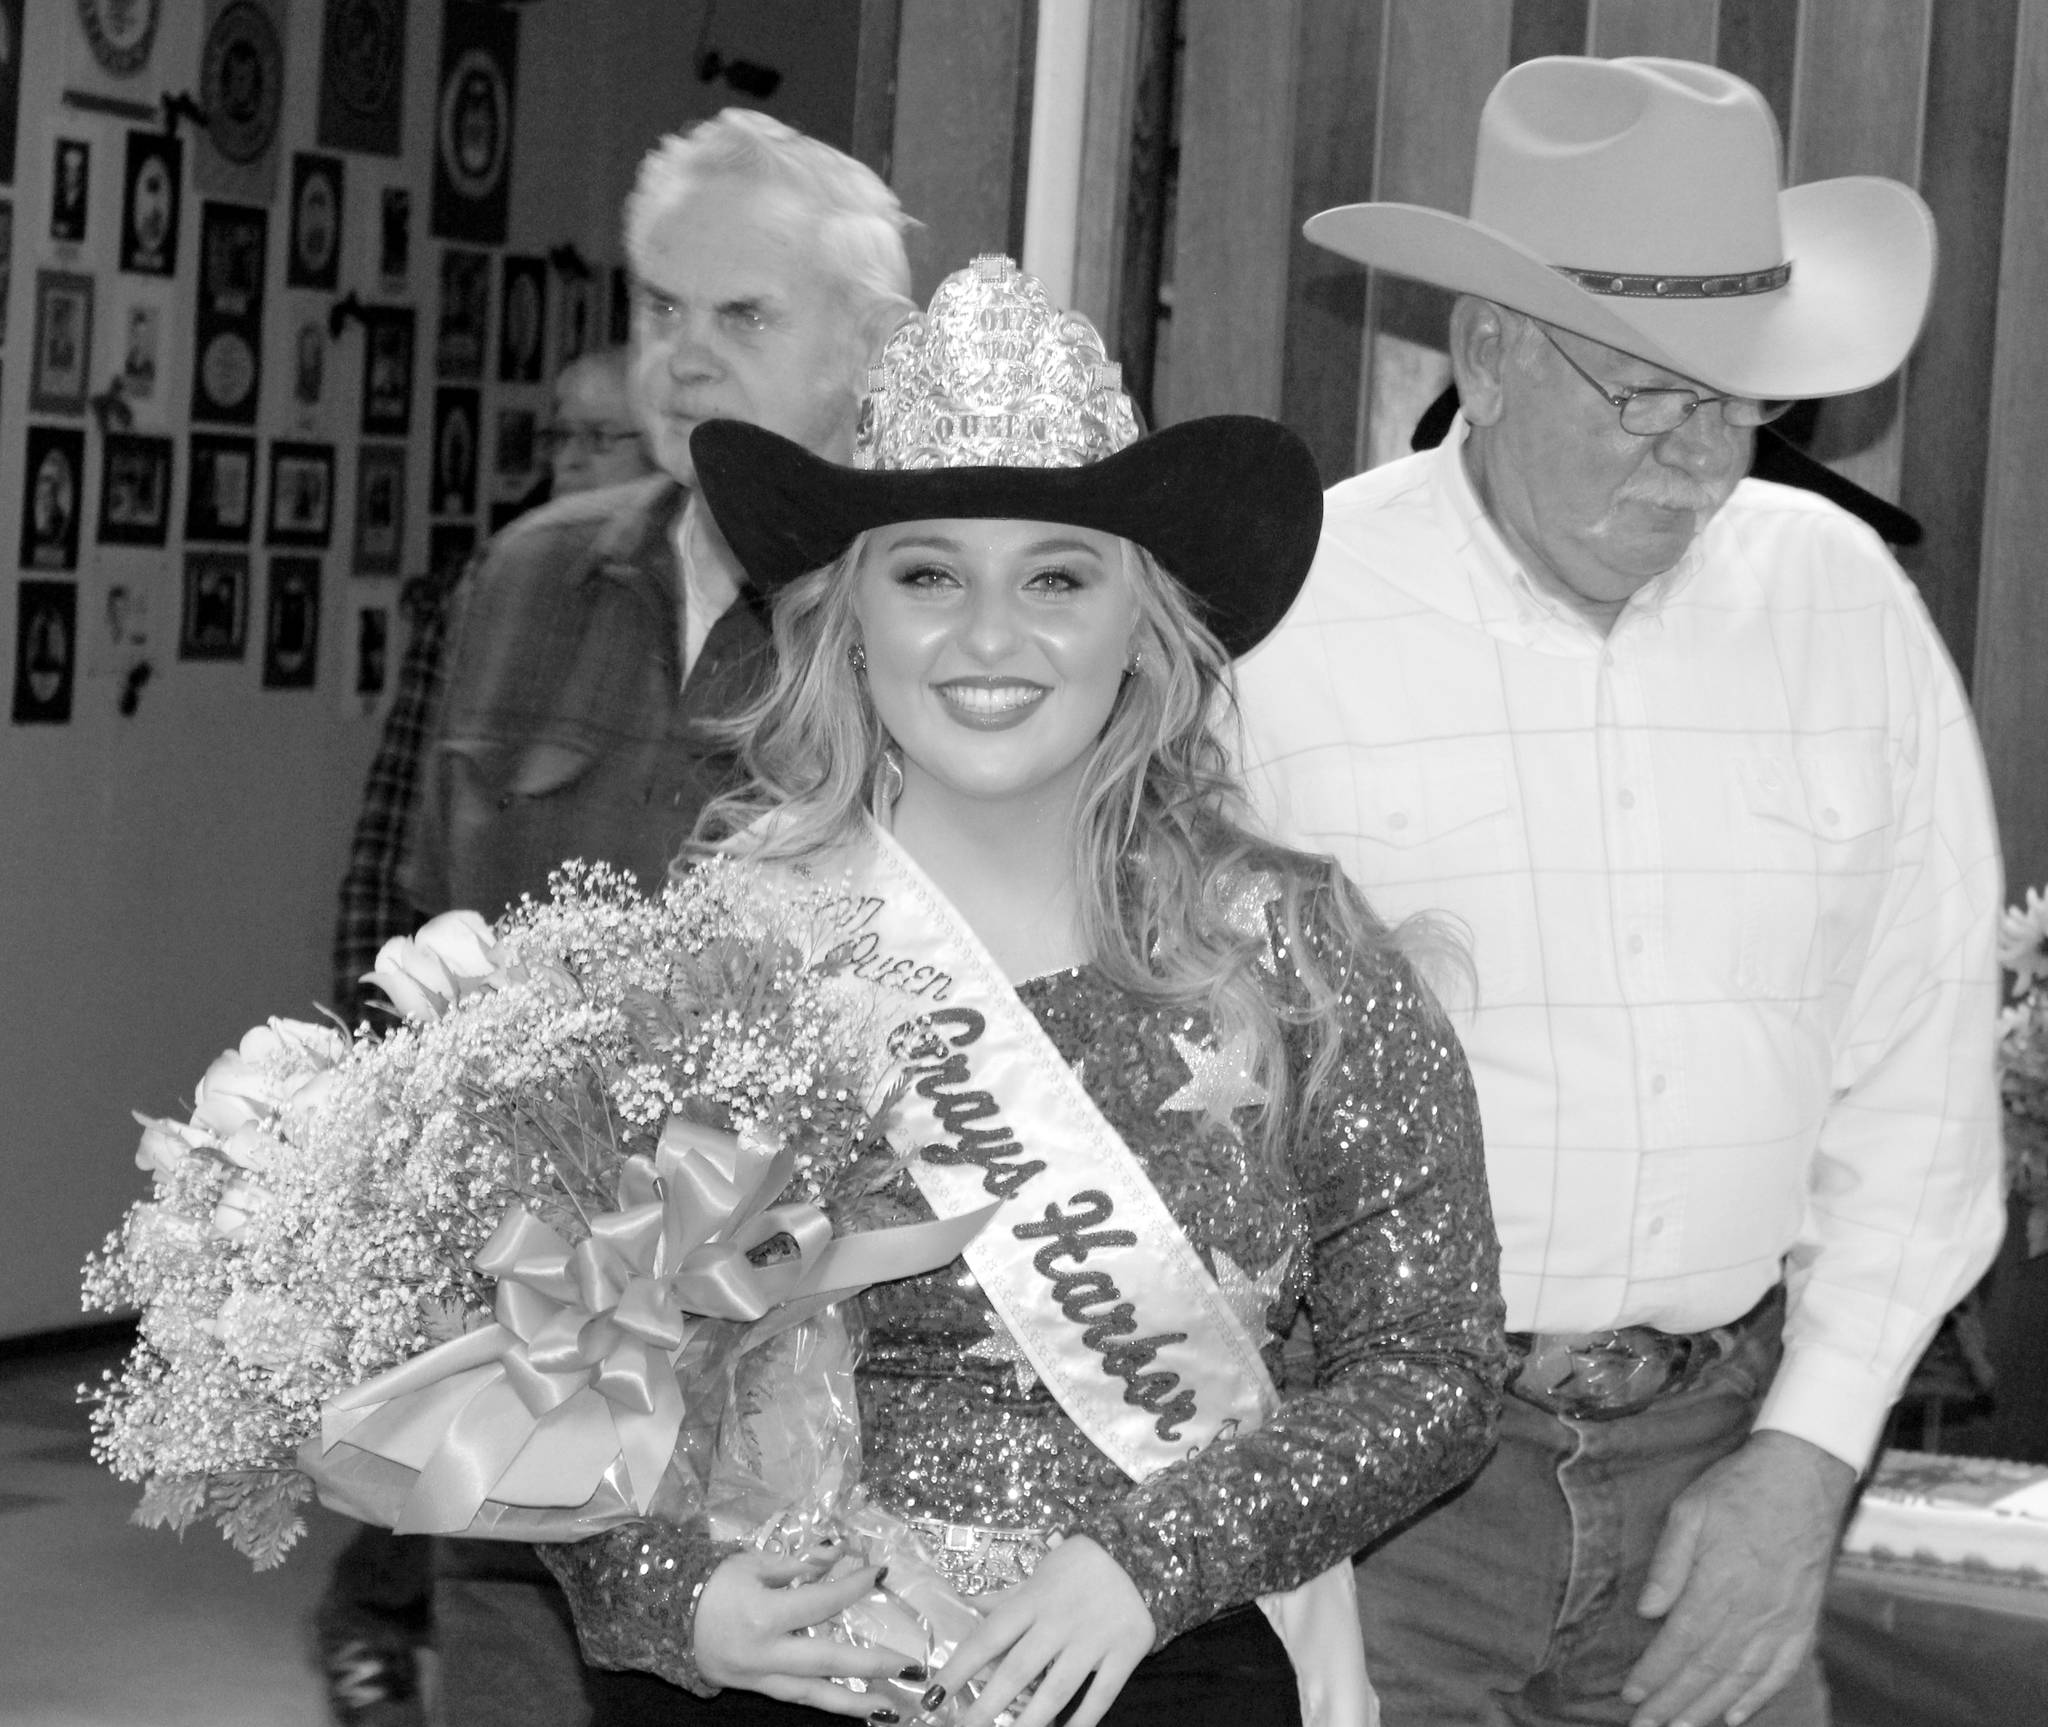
(1380, 1232)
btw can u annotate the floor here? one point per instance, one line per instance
(103, 1624)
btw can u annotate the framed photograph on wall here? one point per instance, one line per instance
(313, 258)
(380, 509)
(394, 237)
(120, 33)
(227, 346)
(59, 375)
(301, 494)
(53, 497)
(309, 362)
(362, 76)
(291, 624)
(45, 652)
(522, 319)
(474, 106)
(387, 371)
(575, 317)
(140, 326)
(465, 320)
(10, 85)
(457, 414)
(213, 622)
(70, 188)
(149, 204)
(220, 487)
(135, 490)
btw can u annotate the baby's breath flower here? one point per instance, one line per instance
(317, 1221)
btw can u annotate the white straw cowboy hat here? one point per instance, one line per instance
(1638, 202)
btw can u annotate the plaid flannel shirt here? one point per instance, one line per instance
(372, 907)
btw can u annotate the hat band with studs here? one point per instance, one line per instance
(1678, 287)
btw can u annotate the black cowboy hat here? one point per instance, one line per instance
(1230, 505)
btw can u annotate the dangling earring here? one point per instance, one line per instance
(888, 783)
(857, 656)
(1136, 663)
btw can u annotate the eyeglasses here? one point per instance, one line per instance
(595, 440)
(1651, 412)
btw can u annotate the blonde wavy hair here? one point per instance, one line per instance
(1164, 845)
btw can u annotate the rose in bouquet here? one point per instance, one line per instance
(2023, 1062)
(505, 1269)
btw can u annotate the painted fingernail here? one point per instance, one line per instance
(884, 1717)
(880, 1574)
(934, 1697)
(915, 1674)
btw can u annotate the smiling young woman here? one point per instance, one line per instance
(1204, 1082)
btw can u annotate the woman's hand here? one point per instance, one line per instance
(750, 1631)
(1077, 1614)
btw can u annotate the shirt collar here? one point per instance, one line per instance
(1506, 597)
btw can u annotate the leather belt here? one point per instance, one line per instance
(1604, 1375)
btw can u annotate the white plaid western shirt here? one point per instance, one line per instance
(1731, 883)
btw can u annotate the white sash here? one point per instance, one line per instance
(1086, 1265)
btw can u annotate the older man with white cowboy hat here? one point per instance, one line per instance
(1685, 755)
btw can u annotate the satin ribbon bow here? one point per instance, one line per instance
(577, 1375)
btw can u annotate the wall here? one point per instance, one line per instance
(167, 878)
(963, 128)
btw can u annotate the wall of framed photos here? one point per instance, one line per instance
(269, 350)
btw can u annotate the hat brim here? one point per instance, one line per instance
(1230, 505)
(1862, 251)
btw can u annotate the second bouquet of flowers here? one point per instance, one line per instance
(2023, 1062)
(499, 1271)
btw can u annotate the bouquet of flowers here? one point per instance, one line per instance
(2023, 1061)
(510, 1268)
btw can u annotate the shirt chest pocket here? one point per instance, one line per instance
(1412, 805)
(1816, 845)
(1445, 835)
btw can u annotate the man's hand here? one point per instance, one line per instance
(1077, 1620)
(1739, 1570)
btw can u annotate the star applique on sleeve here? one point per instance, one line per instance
(1245, 908)
(1250, 1298)
(1003, 1349)
(1219, 1081)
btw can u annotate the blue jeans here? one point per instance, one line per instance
(1511, 1603)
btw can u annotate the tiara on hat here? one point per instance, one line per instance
(994, 375)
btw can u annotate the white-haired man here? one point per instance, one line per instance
(1685, 754)
(601, 632)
